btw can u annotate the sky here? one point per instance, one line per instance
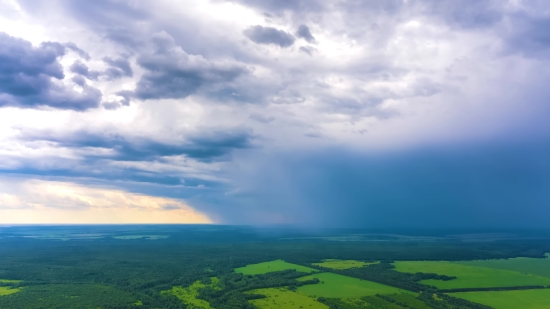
(394, 113)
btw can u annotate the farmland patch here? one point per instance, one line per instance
(337, 286)
(469, 276)
(267, 267)
(524, 299)
(283, 298)
(342, 264)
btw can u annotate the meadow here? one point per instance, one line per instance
(521, 299)
(267, 267)
(540, 267)
(469, 276)
(283, 298)
(8, 290)
(189, 295)
(341, 264)
(334, 285)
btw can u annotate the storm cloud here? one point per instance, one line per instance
(268, 35)
(172, 73)
(32, 77)
(303, 32)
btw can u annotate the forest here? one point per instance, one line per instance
(68, 268)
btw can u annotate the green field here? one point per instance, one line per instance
(283, 298)
(342, 264)
(469, 276)
(539, 267)
(10, 281)
(188, 295)
(267, 267)
(6, 290)
(334, 285)
(524, 299)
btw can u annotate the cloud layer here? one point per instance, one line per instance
(343, 112)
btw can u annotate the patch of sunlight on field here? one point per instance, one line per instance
(283, 298)
(338, 286)
(188, 295)
(342, 264)
(267, 267)
(470, 276)
(519, 299)
(540, 267)
(8, 290)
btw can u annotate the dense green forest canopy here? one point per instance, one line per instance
(111, 267)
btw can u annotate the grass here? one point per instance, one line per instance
(267, 267)
(342, 264)
(469, 276)
(283, 298)
(188, 295)
(334, 285)
(524, 299)
(540, 267)
(10, 281)
(7, 290)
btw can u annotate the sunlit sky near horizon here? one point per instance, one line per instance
(319, 113)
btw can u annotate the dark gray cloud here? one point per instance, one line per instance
(307, 49)
(529, 36)
(205, 145)
(303, 32)
(268, 35)
(172, 73)
(80, 68)
(468, 14)
(28, 77)
(119, 67)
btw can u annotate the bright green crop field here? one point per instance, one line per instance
(189, 294)
(539, 267)
(283, 298)
(469, 276)
(6, 290)
(334, 285)
(342, 264)
(520, 299)
(267, 267)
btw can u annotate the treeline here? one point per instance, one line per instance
(423, 301)
(508, 288)
(445, 301)
(383, 273)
